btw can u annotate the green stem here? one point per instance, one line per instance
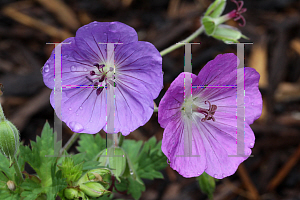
(2, 117)
(186, 40)
(69, 143)
(17, 168)
(121, 139)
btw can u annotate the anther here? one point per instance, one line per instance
(92, 73)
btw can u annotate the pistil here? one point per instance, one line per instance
(208, 113)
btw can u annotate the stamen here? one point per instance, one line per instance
(92, 73)
(208, 113)
(237, 14)
(89, 79)
(102, 78)
(99, 90)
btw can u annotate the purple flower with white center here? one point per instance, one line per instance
(89, 74)
(212, 125)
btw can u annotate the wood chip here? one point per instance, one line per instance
(35, 23)
(63, 13)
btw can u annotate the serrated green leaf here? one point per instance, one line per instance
(92, 164)
(207, 184)
(58, 183)
(7, 195)
(36, 156)
(31, 189)
(91, 145)
(135, 188)
(132, 148)
(5, 167)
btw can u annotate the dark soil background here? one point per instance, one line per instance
(272, 25)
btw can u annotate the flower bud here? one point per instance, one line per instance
(11, 185)
(71, 193)
(115, 159)
(9, 139)
(228, 34)
(94, 175)
(82, 195)
(93, 189)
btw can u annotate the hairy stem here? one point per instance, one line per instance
(69, 143)
(186, 40)
(17, 168)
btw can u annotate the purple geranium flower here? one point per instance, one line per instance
(136, 78)
(212, 125)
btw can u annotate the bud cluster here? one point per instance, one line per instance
(92, 184)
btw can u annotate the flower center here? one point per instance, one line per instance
(208, 113)
(101, 76)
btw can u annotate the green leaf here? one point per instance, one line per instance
(70, 171)
(135, 188)
(31, 189)
(58, 183)
(207, 184)
(36, 156)
(91, 145)
(5, 167)
(151, 160)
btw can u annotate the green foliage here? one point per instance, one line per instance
(147, 160)
(142, 161)
(91, 145)
(207, 184)
(36, 156)
(48, 181)
(135, 188)
(70, 171)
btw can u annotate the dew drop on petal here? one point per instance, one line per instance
(198, 173)
(91, 121)
(73, 68)
(75, 126)
(85, 69)
(46, 68)
(70, 108)
(80, 108)
(66, 56)
(215, 176)
(113, 27)
(77, 114)
(251, 145)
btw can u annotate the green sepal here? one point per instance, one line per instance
(70, 193)
(95, 175)
(216, 8)
(228, 34)
(115, 159)
(207, 184)
(93, 189)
